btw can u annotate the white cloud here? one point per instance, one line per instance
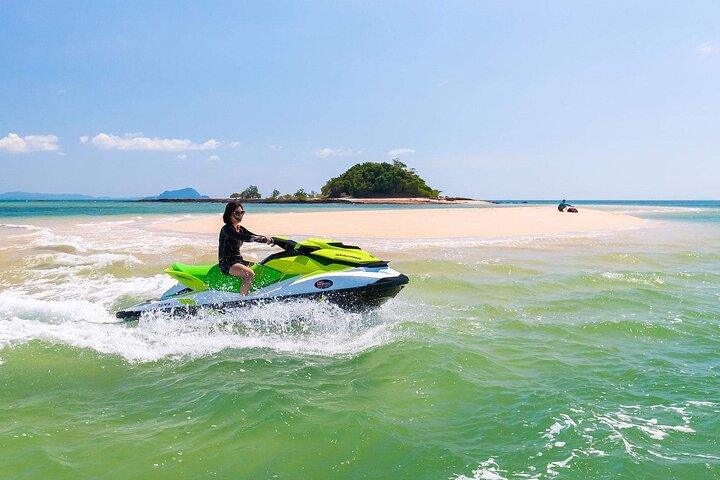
(182, 156)
(708, 48)
(275, 147)
(335, 152)
(134, 141)
(14, 143)
(212, 158)
(396, 152)
(234, 144)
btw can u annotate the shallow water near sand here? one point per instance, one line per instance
(568, 357)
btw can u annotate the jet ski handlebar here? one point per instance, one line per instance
(304, 248)
(284, 243)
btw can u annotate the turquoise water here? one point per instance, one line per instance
(12, 208)
(569, 357)
(40, 208)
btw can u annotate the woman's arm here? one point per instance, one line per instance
(242, 235)
(246, 235)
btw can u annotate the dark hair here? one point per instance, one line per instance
(229, 209)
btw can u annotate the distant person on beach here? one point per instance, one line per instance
(232, 236)
(566, 207)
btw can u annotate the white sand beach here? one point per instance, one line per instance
(419, 223)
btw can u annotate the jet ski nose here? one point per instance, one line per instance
(395, 281)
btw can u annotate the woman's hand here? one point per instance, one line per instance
(262, 239)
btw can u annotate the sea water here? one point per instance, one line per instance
(569, 357)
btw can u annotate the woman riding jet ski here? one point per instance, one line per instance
(314, 268)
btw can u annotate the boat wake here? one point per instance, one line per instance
(297, 327)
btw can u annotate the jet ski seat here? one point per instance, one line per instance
(194, 270)
(202, 277)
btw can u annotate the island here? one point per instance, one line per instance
(364, 183)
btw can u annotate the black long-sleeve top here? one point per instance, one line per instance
(231, 240)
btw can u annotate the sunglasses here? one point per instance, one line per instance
(238, 214)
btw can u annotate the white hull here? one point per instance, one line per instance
(356, 288)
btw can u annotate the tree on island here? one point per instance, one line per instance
(250, 192)
(301, 195)
(275, 194)
(384, 179)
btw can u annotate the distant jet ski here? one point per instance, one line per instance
(315, 268)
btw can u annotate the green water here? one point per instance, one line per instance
(579, 357)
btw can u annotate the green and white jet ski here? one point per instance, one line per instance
(315, 268)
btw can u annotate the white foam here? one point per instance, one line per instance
(636, 278)
(593, 434)
(106, 223)
(700, 403)
(23, 308)
(487, 470)
(63, 259)
(300, 328)
(641, 210)
(23, 226)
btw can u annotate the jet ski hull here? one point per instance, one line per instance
(357, 290)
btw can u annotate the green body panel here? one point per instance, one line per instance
(357, 257)
(204, 277)
(334, 250)
(323, 256)
(194, 270)
(192, 280)
(264, 276)
(302, 265)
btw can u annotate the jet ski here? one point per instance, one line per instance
(315, 268)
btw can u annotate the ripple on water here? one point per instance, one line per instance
(635, 433)
(527, 358)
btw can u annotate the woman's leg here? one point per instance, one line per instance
(246, 273)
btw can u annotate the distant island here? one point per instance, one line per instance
(363, 183)
(47, 196)
(180, 194)
(379, 180)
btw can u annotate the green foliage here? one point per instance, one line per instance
(301, 195)
(275, 194)
(250, 192)
(379, 180)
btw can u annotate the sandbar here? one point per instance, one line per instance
(420, 223)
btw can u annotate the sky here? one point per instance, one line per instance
(492, 100)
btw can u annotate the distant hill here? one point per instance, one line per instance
(47, 196)
(183, 194)
(379, 180)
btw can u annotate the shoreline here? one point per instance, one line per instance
(419, 223)
(321, 201)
